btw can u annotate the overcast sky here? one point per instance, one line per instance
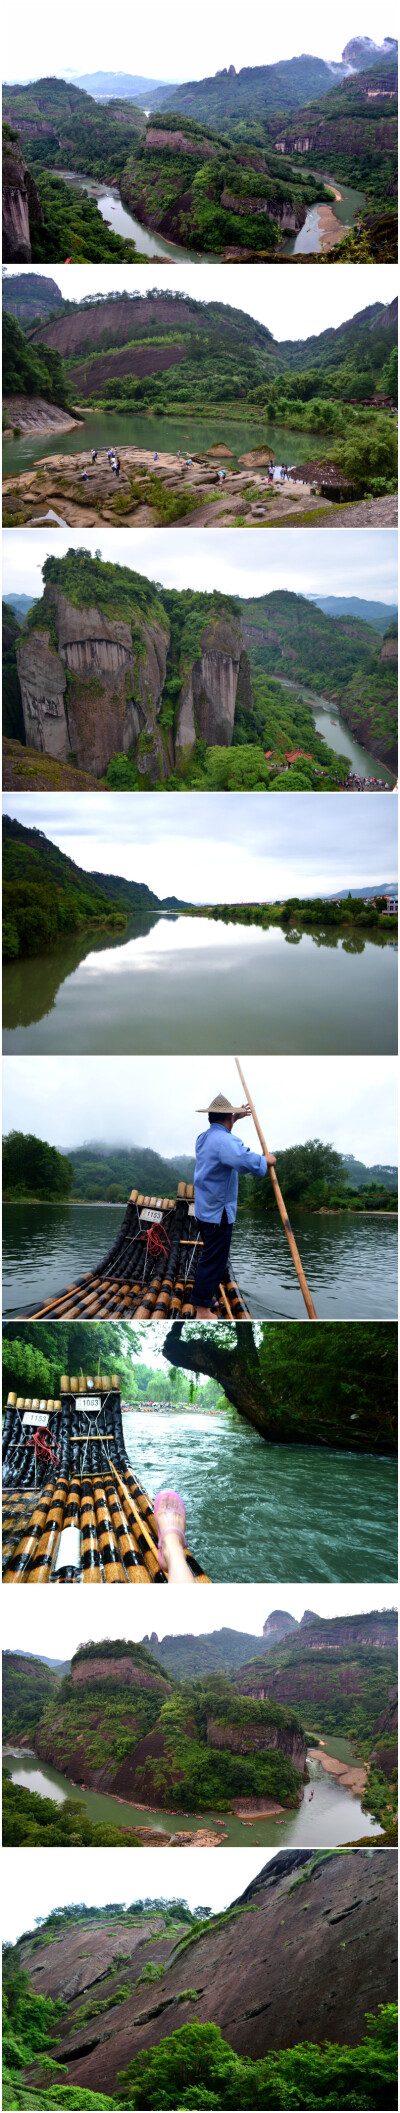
(175, 43)
(59, 1880)
(154, 1100)
(357, 564)
(40, 1623)
(212, 847)
(330, 298)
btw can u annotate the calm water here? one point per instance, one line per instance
(334, 731)
(332, 1816)
(345, 209)
(184, 430)
(350, 1262)
(186, 984)
(116, 216)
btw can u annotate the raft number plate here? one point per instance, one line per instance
(88, 1401)
(37, 1419)
(151, 1217)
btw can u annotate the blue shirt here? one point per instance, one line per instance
(220, 1158)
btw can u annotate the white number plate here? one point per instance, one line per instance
(191, 1210)
(88, 1401)
(30, 1417)
(151, 1217)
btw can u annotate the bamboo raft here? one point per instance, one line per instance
(149, 1272)
(74, 1512)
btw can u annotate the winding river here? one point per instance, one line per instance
(333, 730)
(317, 234)
(350, 1261)
(182, 984)
(331, 1817)
(312, 238)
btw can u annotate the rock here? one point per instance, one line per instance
(33, 415)
(21, 203)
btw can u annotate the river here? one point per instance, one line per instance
(183, 985)
(345, 209)
(350, 1261)
(334, 731)
(185, 429)
(329, 1819)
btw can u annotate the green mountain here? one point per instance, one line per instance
(237, 100)
(99, 1168)
(352, 131)
(46, 894)
(29, 297)
(21, 603)
(379, 614)
(222, 1651)
(28, 1684)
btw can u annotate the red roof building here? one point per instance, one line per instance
(293, 754)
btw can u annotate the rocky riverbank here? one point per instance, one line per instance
(31, 414)
(350, 1774)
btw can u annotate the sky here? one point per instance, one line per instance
(58, 1880)
(357, 564)
(178, 43)
(43, 1624)
(212, 847)
(153, 1101)
(330, 298)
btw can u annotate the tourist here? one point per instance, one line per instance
(170, 1516)
(155, 458)
(84, 476)
(116, 465)
(94, 454)
(220, 1158)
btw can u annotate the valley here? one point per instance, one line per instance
(132, 686)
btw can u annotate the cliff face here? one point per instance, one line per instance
(208, 698)
(97, 691)
(257, 1738)
(92, 688)
(20, 205)
(268, 1978)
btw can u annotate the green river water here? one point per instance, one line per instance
(350, 1261)
(184, 429)
(328, 1819)
(182, 985)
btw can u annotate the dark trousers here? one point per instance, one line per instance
(213, 1259)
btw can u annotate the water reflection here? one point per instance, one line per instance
(173, 983)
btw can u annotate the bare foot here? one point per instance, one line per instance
(170, 1524)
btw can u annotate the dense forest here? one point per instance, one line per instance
(313, 1176)
(330, 1386)
(45, 895)
(38, 1822)
(30, 370)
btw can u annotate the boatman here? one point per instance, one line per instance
(220, 1158)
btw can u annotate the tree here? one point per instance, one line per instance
(30, 1165)
(310, 1387)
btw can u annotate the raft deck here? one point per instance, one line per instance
(74, 1512)
(149, 1272)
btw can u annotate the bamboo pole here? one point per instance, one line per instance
(281, 1206)
(225, 1302)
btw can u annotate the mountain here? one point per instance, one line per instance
(384, 887)
(30, 297)
(28, 1684)
(20, 603)
(231, 99)
(105, 85)
(193, 1657)
(99, 1168)
(359, 1174)
(109, 664)
(339, 657)
(265, 1972)
(337, 1672)
(379, 614)
(352, 131)
(45, 892)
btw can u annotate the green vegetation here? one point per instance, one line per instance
(45, 895)
(33, 1168)
(353, 131)
(13, 720)
(38, 1822)
(31, 370)
(344, 1395)
(27, 1686)
(242, 101)
(116, 590)
(314, 1178)
(214, 193)
(198, 2068)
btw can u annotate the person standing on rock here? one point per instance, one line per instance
(220, 1158)
(116, 465)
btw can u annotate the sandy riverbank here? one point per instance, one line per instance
(352, 1776)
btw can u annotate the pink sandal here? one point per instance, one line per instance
(170, 1496)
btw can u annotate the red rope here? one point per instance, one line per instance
(43, 1450)
(158, 1243)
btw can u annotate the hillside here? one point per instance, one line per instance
(193, 1657)
(28, 1684)
(319, 1985)
(46, 894)
(338, 1673)
(136, 685)
(121, 1724)
(353, 131)
(197, 188)
(379, 614)
(30, 297)
(98, 1169)
(247, 98)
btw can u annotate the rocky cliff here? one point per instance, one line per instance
(257, 1738)
(93, 686)
(269, 1976)
(21, 205)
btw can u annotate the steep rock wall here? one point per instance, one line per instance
(99, 692)
(269, 1978)
(209, 690)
